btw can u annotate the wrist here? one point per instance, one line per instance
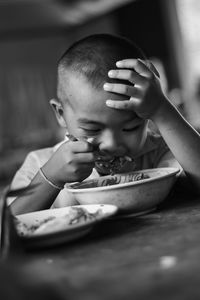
(163, 112)
(46, 171)
(50, 182)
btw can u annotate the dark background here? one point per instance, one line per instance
(32, 38)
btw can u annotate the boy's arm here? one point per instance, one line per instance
(39, 195)
(167, 160)
(148, 101)
(71, 162)
(25, 174)
(182, 139)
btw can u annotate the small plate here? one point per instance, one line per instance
(133, 215)
(64, 233)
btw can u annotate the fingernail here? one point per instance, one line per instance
(90, 140)
(111, 73)
(119, 63)
(106, 86)
(109, 102)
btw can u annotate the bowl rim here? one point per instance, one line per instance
(171, 172)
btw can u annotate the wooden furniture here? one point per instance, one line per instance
(154, 256)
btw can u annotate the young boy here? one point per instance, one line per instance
(106, 94)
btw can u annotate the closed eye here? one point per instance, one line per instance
(131, 128)
(91, 131)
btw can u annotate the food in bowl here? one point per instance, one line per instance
(110, 180)
(124, 191)
(112, 166)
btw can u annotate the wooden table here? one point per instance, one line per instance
(154, 256)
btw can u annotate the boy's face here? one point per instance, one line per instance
(114, 132)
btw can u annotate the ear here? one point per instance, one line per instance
(58, 110)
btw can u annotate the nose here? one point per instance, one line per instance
(112, 144)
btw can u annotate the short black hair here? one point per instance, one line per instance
(94, 55)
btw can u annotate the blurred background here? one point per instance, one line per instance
(35, 33)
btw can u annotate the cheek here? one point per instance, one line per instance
(71, 126)
(70, 120)
(136, 141)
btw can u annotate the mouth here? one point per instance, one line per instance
(106, 165)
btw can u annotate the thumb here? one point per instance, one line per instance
(153, 69)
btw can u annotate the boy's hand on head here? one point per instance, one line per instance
(144, 90)
(73, 161)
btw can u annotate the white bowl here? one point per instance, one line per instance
(121, 190)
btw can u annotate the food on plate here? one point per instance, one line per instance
(75, 215)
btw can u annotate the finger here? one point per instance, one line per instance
(137, 64)
(129, 75)
(84, 174)
(124, 105)
(153, 68)
(87, 166)
(85, 158)
(81, 146)
(123, 89)
(71, 137)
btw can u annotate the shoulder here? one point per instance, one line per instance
(41, 156)
(33, 161)
(155, 142)
(154, 150)
(161, 154)
(36, 158)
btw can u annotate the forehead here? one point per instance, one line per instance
(90, 103)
